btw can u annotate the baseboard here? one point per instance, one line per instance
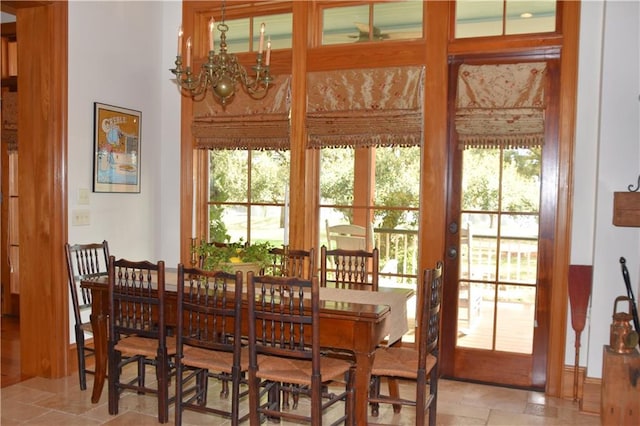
(591, 402)
(72, 359)
(568, 377)
(588, 389)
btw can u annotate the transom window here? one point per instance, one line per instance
(372, 22)
(278, 29)
(504, 17)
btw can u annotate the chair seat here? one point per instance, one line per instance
(399, 362)
(298, 372)
(213, 360)
(86, 326)
(136, 345)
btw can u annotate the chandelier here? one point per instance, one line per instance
(222, 71)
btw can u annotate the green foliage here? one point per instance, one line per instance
(336, 179)
(519, 172)
(219, 256)
(217, 228)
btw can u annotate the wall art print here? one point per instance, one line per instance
(116, 158)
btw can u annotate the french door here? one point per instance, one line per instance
(501, 204)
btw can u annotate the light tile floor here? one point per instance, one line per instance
(40, 401)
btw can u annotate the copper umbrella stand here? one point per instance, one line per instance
(579, 293)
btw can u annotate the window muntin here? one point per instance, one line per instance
(504, 17)
(390, 21)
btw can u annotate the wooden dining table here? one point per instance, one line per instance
(344, 325)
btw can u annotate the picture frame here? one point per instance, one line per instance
(116, 149)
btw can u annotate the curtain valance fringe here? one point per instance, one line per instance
(364, 141)
(498, 141)
(242, 142)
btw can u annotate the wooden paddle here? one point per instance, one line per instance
(579, 293)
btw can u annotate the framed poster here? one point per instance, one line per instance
(116, 149)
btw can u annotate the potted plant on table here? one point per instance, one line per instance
(221, 254)
(235, 256)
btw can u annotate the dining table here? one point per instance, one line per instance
(357, 321)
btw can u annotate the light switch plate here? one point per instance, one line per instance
(80, 217)
(83, 196)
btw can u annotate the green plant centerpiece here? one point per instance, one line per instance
(235, 256)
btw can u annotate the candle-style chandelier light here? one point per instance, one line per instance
(222, 70)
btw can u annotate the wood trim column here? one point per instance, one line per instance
(562, 240)
(434, 152)
(42, 126)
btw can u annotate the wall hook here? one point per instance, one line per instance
(632, 189)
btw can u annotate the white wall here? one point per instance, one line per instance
(120, 54)
(607, 159)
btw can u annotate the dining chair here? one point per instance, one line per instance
(137, 330)
(84, 260)
(419, 364)
(348, 236)
(284, 351)
(292, 263)
(349, 269)
(209, 341)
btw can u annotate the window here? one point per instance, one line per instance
(278, 29)
(385, 202)
(499, 260)
(247, 195)
(504, 17)
(372, 21)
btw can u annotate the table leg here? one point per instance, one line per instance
(99, 325)
(364, 361)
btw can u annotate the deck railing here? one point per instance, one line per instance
(398, 256)
(515, 257)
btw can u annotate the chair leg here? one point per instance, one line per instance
(224, 391)
(178, 401)
(374, 392)
(394, 392)
(296, 398)
(113, 378)
(235, 392)
(141, 374)
(433, 390)
(254, 400)
(351, 398)
(82, 373)
(162, 371)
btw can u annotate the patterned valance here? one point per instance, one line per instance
(501, 105)
(245, 123)
(365, 107)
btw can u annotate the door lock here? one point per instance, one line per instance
(452, 252)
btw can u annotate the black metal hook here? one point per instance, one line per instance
(630, 187)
